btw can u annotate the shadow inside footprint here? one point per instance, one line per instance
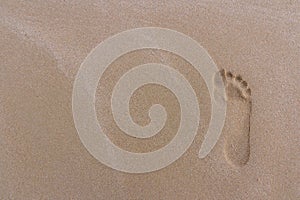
(237, 124)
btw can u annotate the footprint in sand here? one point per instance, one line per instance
(237, 125)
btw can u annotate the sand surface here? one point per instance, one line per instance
(43, 44)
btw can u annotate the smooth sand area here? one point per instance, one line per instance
(256, 43)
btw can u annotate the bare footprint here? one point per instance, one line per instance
(237, 124)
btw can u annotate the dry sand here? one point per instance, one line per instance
(43, 44)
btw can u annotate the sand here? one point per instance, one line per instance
(43, 44)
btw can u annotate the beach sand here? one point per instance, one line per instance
(256, 44)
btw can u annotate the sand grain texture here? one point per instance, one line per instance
(42, 46)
